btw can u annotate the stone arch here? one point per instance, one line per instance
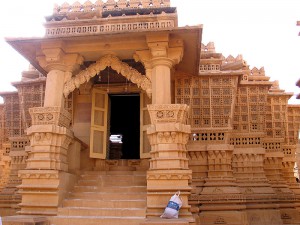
(116, 64)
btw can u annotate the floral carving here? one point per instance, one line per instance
(116, 64)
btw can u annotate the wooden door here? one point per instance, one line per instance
(145, 122)
(98, 137)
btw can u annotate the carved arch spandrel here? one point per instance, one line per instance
(116, 64)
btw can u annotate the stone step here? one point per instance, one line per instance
(95, 203)
(115, 212)
(96, 220)
(112, 177)
(111, 189)
(119, 172)
(107, 196)
(114, 183)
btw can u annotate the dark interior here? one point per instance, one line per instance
(125, 120)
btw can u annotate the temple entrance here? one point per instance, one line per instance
(124, 124)
(119, 123)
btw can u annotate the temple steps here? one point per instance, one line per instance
(105, 197)
(97, 220)
(104, 203)
(104, 212)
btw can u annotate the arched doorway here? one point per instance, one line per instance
(120, 95)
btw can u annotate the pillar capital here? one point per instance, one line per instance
(159, 56)
(55, 58)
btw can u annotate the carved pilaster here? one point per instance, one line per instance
(261, 200)
(221, 189)
(168, 136)
(286, 198)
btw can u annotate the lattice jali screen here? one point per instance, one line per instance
(210, 67)
(208, 136)
(30, 95)
(13, 123)
(293, 124)
(289, 151)
(211, 100)
(276, 116)
(19, 143)
(249, 114)
(246, 141)
(272, 146)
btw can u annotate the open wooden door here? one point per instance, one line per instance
(98, 137)
(145, 122)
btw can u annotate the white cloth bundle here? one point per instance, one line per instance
(172, 209)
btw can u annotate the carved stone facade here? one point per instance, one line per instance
(210, 127)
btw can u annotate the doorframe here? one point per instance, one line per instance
(119, 89)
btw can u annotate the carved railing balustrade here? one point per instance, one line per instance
(108, 28)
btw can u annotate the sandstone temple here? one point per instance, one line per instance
(121, 108)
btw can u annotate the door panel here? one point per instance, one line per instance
(98, 139)
(145, 122)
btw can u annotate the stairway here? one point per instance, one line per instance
(105, 198)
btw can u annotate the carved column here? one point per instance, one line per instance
(46, 180)
(168, 173)
(168, 133)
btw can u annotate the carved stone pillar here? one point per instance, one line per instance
(60, 67)
(168, 133)
(46, 180)
(168, 173)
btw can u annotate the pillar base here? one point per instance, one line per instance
(43, 191)
(162, 185)
(28, 220)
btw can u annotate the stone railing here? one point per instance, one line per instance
(272, 146)
(109, 28)
(19, 143)
(50, 115)
(209, 67)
